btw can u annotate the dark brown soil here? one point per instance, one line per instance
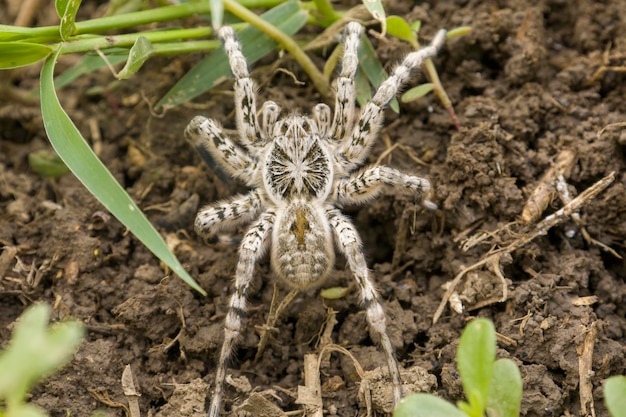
(532, 80)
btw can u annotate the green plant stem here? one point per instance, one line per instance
(176, 48)
(127, 40)
(326, 12)
(109, 23)
(283, 40)
(441, 92)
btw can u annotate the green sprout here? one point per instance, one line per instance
(35, 351)
(492, 387)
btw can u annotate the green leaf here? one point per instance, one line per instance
(334, 293)
(376, 9)
(214, 68)
(459, 31)
(67, 9)
(217, 13)
(505, 396)
(140, 52)
(426, 405)
(20, 54)
(83, 162)
(475, 358)
(615, 395)
(34, 35)
(47, 163)
(398, 27)
(418, 92)
(416, 26)
(35, 351)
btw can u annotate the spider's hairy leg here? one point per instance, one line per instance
(205, 135)
(269, 116)
(363, 186)
(349, 243)
(245, 97)
(345, 94)
(357, 145)
(226, 215)
(252, 248)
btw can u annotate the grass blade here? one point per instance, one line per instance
(213, 69)
(83, 162)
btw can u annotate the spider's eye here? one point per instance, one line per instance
(305, 125)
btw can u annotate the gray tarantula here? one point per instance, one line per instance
(301, 170)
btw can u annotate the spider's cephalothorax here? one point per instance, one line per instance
(302, 170)
(297, 163)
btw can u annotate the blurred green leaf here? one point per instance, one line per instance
(82, 161)
(47, 163)
(35, 350)
(20, 54)
(475, 358)
(398, 27)
(140, 52)
(426, 405)
(376, 9)
(459, 31)
(217, 13)
(335, 293)
(416, 26)
(214, 68)
(615, 395)
(417, 92)
(505, 396)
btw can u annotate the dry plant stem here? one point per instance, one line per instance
(585, 360)
(310, 395)
(106, 400)
(273, 315)
(28, 9)
(131, 393)
(284, 41)
(326, 336)
(259, 406)
(540, 229)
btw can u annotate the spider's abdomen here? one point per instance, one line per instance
(302, 248)
(297, 163)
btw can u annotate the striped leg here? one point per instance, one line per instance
(245, 96)
(357, 145)
(366, 185)
(345, 94)
(206, 136)
(252, 248)
(349, 244)
(226, 215)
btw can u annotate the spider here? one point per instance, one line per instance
(301, 171)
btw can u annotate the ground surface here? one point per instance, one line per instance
(531, 81)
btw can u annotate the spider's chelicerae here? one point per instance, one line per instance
(302, 170)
